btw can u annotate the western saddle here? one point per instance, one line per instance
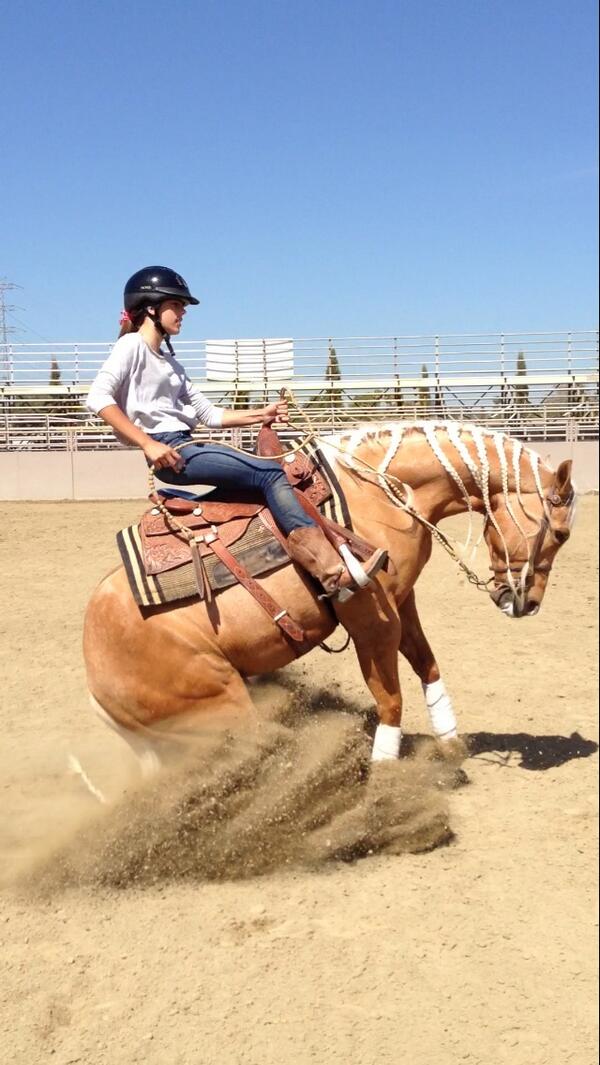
(180, 528)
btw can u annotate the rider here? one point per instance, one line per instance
(145, 395)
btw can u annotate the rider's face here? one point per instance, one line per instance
(171, 316)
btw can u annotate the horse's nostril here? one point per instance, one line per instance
(502, 597)
(531, 608)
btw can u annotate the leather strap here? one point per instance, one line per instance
(337, 534)
(269, 522)
(289, 627)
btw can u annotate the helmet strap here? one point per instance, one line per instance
(151, 312)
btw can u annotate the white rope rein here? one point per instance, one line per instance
(478, 467)
(439, 452)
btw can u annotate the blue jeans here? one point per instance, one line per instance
(242, 478)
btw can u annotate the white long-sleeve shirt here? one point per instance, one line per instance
(153, 390)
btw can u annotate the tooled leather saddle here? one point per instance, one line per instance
(177, 529)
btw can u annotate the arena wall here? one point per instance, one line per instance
(122, 474)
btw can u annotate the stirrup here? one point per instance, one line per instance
(361, 578)
(339, 595)
(355, 569)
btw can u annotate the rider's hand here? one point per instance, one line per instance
(162, 457)
(276, 412)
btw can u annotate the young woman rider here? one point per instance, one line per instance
(145, 395)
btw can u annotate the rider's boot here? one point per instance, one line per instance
(310, 548)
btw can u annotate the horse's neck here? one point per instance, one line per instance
(449, 468)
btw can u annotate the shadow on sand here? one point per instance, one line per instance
(537, 752)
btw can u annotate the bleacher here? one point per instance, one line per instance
(538, 386)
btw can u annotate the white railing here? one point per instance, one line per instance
(536, 385)
(459, 357)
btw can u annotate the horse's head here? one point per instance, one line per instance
(523, 535)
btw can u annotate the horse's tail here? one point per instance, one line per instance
(77, 769)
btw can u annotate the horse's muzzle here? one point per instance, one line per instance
(506, 601)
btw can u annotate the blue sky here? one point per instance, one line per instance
(319, 167)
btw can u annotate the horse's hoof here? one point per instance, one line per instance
(452, 778)
(459, 779)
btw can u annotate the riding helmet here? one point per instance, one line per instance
(153, 285)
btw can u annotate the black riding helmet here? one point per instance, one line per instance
(152, 285)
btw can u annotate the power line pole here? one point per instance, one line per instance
(7, 331)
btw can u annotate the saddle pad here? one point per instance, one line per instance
(257, 550)
(335, 507)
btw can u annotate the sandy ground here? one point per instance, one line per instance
(481, 951)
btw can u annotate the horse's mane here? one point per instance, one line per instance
(391, 435)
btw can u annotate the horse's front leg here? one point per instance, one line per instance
(416, 649)
(373, 623)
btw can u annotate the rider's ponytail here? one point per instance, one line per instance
(130, 322)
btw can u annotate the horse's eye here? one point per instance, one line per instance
(561, 535)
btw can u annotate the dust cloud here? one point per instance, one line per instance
(294, 790)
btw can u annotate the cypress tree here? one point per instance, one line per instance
(522, 390)
(423, 394)
(333, 373)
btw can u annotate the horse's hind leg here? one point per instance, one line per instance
(373, 623)
(416, 649)
(141, 744)
(155, 747)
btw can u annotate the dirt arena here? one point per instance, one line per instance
(482, 950)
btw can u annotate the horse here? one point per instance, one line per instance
(150, 668)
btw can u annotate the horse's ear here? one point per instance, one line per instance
(562, 480)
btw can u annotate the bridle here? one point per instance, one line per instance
(522, 570)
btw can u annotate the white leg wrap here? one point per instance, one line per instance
(441, 713)
(386, 744)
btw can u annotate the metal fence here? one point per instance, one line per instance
(539, 386)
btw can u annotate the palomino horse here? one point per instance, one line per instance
(147, 668)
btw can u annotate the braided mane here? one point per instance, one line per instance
(478, 467)
(391, 436)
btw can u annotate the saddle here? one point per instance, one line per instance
(180, 528)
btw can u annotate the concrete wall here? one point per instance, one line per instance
(73, 475)
(584, 454)
(58, 475)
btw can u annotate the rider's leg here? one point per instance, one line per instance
(240, 475)
(310, 548)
